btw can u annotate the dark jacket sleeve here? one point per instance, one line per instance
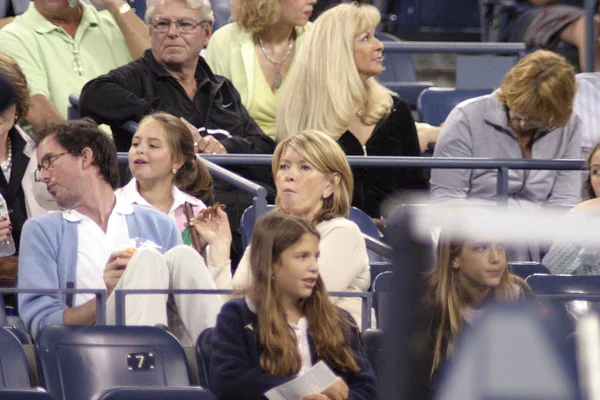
(362, 384)
(410, 178)
(112, 98)
(253, 140)
(234, 363)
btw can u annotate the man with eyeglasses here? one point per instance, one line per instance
(61, 45)
(172, 77)
(89, 244)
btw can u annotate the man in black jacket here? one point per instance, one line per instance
(172, 77)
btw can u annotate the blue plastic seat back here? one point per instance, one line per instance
(377, 268)
(382, 294)
(373, 341)
(167, 393)
(77, 362)
(435, 103)
(73, 107)
(523, 269)
(13, 364)
(25, 394)
(247, 223)
(399, 67)
(364, 222)
(203, 350)
(566, 298)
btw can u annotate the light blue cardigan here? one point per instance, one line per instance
(48, 259)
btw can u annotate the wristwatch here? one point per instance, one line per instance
(123, 8)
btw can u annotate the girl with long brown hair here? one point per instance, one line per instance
(467, 275)
(286, 323)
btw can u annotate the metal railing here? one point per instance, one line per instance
(216, 171)
(99, 293)
(502, 165)
(120, 312)
(456, 47)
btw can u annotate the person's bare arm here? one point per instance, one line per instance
(42, 112)
(135, 31)
(5, 21)
(84, 314)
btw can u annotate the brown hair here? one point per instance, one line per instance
(326, 156)
(193, 176)
(450, 300)
(11, 70)
(541, 85)
(255, 15)
(588, 182)
(330, 330)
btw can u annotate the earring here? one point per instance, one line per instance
(174, 171)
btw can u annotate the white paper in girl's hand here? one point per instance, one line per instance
(315, 380)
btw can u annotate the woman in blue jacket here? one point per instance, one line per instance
(286, 323)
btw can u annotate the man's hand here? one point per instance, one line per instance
(111, 5)
(315, 396)
(210, 145)
(115, 266)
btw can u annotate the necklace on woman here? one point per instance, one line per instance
(277, 64)
(7, 164)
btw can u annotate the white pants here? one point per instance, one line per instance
(187, 315)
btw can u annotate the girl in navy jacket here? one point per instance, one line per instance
(286, 322)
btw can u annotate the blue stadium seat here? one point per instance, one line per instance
(379, 267)
(203, 350)
(13, 364)
(25, 394)
(163, 393)
(373, 341)
(435, 103)
(73, 107)
(566, 298)
(434, 20)
(78, 362)
(399, 74)
(382, 288)
(247, 223)
(523, 269)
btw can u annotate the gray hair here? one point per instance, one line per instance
(204, 6)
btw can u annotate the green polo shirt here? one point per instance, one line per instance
(56, 64)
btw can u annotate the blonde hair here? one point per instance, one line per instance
(273, 233)
(541, 85)
(326, 156)
(450, 300)
(324, 89)
(255, 15)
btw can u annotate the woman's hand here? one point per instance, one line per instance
(338, 390)
(115, 266)
(212, 225)
(5, 228)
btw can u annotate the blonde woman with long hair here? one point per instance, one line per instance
(286, 323)
(467, 276)
(257, 50)
(332, 88)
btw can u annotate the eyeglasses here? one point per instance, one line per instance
(527, 123)
(47, 162)
(183, 25)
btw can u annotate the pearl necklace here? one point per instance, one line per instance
(7, 164)
(277, 64)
